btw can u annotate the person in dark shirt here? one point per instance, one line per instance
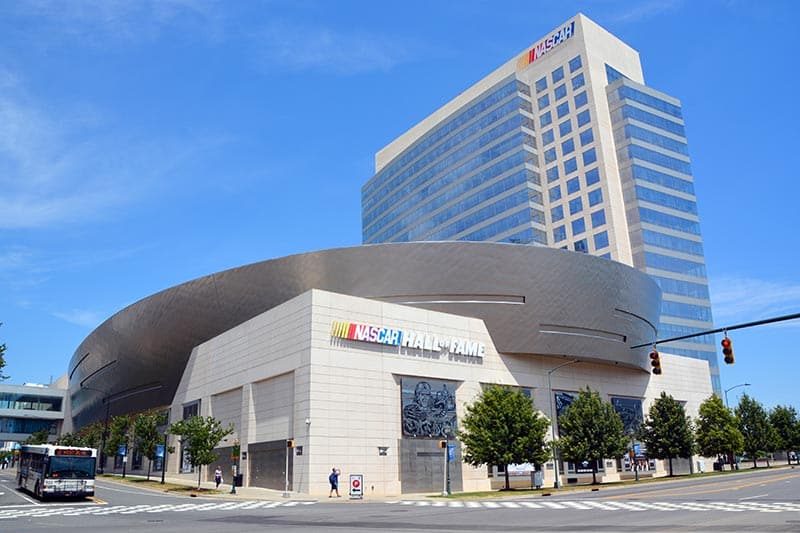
(334, 481)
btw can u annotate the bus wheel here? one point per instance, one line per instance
(37, 490)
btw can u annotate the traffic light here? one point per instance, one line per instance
(442, 444)
(655, 361)
(290, 443)
(727, 350)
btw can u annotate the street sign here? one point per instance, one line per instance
(356, 486)
(451, 452)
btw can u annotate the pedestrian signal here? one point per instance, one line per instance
(290, 443)
(727, 350)
(655, 361)
(442, 444)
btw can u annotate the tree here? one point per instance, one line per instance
(118, 434)
(70, 439)
(591, 429)
(38, 437)
(91, 436)
(717, 433)
(2, 360)
(502, 427)
(759, 435)
(199, 435)
(667, 431)
(147, 437)
(787, 427)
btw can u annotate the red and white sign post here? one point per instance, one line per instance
(356, 486)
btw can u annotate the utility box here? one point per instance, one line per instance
(238, 480)
(537, 479)
(701, 466)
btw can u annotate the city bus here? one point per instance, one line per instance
(49, 470)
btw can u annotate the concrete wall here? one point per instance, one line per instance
(340, 400)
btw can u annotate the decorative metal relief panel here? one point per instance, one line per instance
(429, 407)
(630, 411)
(563, 400)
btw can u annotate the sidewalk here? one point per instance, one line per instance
(242, 493)
(258, 493)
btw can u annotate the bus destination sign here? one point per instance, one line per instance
(66, 451)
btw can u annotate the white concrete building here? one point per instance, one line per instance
(285, 374)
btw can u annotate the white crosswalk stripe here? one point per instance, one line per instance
(613, 506)
(38, 511)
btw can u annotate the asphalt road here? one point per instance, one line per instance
(757, 501)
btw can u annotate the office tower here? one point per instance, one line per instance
(562, 146)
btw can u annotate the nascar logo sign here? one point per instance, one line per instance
(406, 338)
(547, 44)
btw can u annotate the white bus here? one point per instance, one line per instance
(49, 470)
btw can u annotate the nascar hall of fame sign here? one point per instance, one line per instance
(547, 44)
(405, 338)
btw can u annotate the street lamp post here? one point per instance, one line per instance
(734, 387)
(553, 419)
(164, 459)
(105, 400)
(446, 480)
(733, 453)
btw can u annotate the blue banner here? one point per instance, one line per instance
(159, 450)
(451, 452)
(122, 450)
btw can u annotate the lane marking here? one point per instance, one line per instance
(627, 507)
(685, 492)
(753, 497)
(25, 498)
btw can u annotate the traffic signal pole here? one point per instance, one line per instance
(720, 330)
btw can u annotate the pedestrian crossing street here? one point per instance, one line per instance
(605, 505)
(32, 511)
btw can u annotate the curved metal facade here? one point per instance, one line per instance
(534, 301)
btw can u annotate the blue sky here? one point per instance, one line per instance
(143, 144)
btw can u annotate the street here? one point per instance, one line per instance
(752, 501)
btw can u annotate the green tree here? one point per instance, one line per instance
(70, 439)
(502, 427)
(591, 429)
(91, 436)
(787, 427)
(199, 435)
(147, 436)
(753, 421)
(2, 360)
(119, 430)
(667, 431)
(717, 433)
(38, 437)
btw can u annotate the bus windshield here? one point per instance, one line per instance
(71, 467)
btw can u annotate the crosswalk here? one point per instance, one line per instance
(35, 511)
(606, 505)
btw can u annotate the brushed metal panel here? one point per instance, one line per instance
(138, 355)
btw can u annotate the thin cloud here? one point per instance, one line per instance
(637, 12)
(18, 262)
(102, 22)
(74, 166)
(80, 317)
(737, 300)
(299, 47)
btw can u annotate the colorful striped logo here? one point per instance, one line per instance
(355, 331)
(546, 44)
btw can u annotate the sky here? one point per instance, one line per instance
(147, 143)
